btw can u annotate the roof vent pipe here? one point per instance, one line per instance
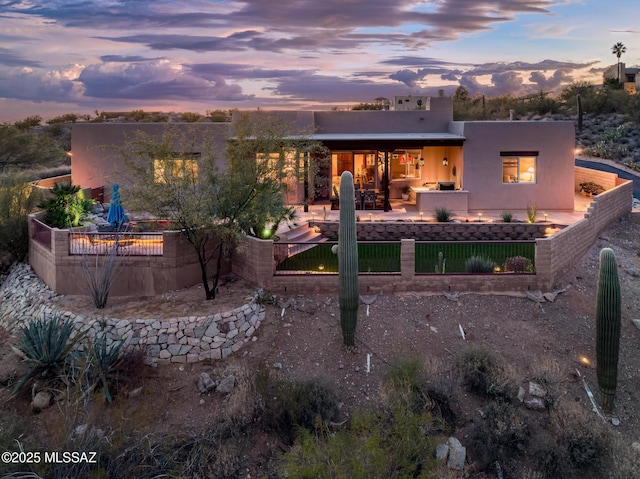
(441, 92)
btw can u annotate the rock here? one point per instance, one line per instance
(535, 403)
(536, 296)
(457, 454)
(442, 451)
(205, 383)
(277, 365)
(551, 297)
(226, 385)
(135, 392)
(636, 322)
(41, 401)
(636, 446)
(537, 390)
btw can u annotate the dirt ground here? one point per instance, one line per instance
(305, 342)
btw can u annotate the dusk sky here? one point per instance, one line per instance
(62, 56)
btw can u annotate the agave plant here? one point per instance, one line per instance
(103, 365)
(46, 346)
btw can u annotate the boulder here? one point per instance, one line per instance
(457, 454)
(205, 383)
(226, 385)
(41, 401)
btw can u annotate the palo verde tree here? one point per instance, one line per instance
(215, 197)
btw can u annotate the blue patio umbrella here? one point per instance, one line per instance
(116, 214)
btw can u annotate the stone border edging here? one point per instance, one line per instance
(178, 340)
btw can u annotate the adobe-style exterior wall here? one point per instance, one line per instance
(95, 163)
(176, 340)
(425, 231)
(602, 178)
(482, 174)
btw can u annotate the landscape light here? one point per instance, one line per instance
(421, 216)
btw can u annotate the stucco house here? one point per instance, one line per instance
(465, 166)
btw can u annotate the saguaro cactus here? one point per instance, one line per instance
(348, 260)
(580, 112)
(608, 314)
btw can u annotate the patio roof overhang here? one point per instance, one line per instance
(387, 141)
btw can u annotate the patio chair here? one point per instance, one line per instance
(335, 200)
(369, 197)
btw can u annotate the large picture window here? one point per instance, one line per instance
(519, 168)
(165, 169)
(405, 164)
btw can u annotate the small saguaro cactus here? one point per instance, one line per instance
(348, 261)
(580, 112)
(608, 318)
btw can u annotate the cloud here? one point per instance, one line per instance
(154, 80)
(126, 58)
(280, 25)
(10, 59)
(36, 85)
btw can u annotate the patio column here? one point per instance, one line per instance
(306, 181)
(385, 182)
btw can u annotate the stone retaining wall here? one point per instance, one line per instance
(187, 339)
(427, 231)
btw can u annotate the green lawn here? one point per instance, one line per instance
(382, 257)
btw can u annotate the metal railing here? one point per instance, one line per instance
(456, 253)
(41, 233)
(318, 258)
(131, 244)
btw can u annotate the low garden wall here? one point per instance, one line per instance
(427, 231)
(178, 340)
(554, 255)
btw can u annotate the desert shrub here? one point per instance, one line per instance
(517, 264)
(479, 264)
(289, 405)
(406, 385)
(586, 443)
(506, 216)
(503, 432)
(389, 444)
(532, 212)
(46, 346)
(591, 187)
(443, 215)
(481, 373)
(17, 200)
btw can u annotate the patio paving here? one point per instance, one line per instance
(407, 210)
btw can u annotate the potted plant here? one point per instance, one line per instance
(406, 191)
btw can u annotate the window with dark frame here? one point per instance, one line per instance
(519, 167)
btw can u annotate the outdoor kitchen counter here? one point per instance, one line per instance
(428, 199)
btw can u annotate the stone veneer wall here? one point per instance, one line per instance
(187, 339)
(426, 231)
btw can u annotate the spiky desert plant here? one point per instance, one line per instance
(348, 261)
(46, 346)
(608, 318)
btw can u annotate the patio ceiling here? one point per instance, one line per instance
(387, 141)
